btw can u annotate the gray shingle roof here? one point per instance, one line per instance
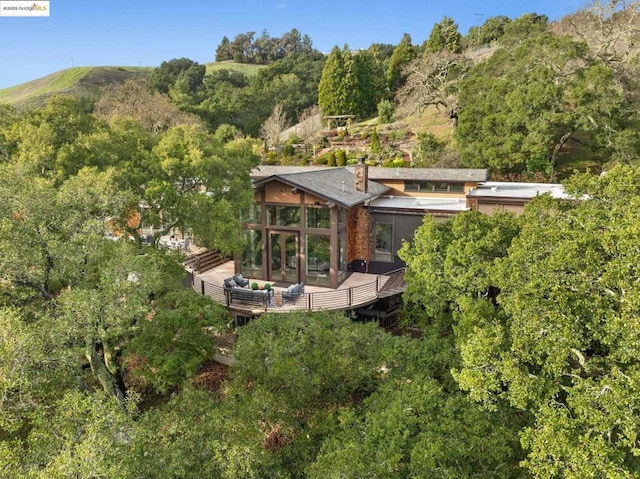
(428, 174)
(264, 171)
(332, 184)
(379, 173)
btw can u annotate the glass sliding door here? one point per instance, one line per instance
(291, 258)
(318, 259)
(283, 258)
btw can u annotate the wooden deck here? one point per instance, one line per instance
(358, 290)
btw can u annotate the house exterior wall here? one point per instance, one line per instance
(277, 192)
(358, 234)
(491, 207)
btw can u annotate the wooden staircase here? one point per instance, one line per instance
(202, 262)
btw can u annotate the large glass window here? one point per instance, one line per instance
(318, 218)
(251, 265)
(318, 259)
(283, 215)
(384, 242)
(342, 257)
(412, 186)
(253, 215)
(342, 218)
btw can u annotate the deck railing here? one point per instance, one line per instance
(346, 298)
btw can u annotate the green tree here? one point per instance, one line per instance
(164, 77)
(81, 435)
(341, 158)
(411, 428)
(385, 111)
(350, 83)
(444, 36)
(171, 344)
(492, 30)
(401, 57)
(525, 27)
(375, 142)
(331, 94)
(428, 150)
(309, 359)
(560, 342)
(197, 184)
(448, 261)
(518, 116)
(35, 138)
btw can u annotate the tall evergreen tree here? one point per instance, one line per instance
(330, 88)
(350, 83)
(402, 56)
(444, 36)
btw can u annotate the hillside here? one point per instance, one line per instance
(88, 81)
(78, 81)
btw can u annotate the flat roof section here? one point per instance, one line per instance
(524, 191)
(422, 204)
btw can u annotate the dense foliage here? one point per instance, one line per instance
(245, 48)
(542, 309)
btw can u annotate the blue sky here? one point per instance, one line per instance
(90, 32)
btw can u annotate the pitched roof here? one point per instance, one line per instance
(332, 184)
(380, 173)
(428, 174)
(264, 171)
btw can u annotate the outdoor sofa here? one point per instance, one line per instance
(292, 293)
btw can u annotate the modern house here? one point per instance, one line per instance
(316, 225)
(321, 226)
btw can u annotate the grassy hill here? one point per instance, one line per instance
(88, 81)
(78, 81)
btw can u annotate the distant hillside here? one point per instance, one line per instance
(88, 81)
(78, 81)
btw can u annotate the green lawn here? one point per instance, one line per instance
(244, 68)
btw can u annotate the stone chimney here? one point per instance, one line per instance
(361, 174)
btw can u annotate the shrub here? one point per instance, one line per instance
(375, 141)
(396, 135)
(331, 159)
(322, 159)
(288, 150)
(385, 111)
(254, 286)
(341, 158)
(272, 158)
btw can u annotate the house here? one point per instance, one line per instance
(317, 224)
(323, 226)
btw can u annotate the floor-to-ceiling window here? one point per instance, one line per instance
(292, 242)
(384, 242)
(318, 259)
(318, 245)
(251, 263)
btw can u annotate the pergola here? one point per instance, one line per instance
(339, 120)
